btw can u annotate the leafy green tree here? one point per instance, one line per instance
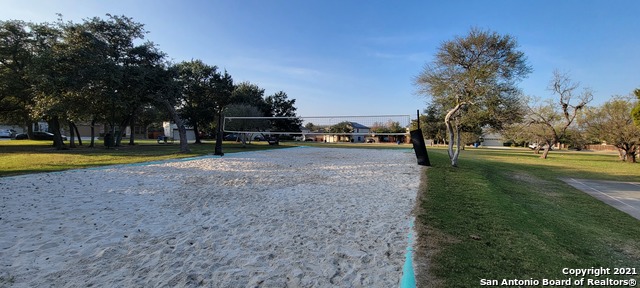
(473, 80)
(120, 92)
(220, 88)
(252, 126)
(612, 122)
(51, 71)
(150, 116)
(342, 128)
(432, 124)
(197, 108)
(17, 42)
(312, 127)
(279, 105)
(250, 94)
(635, 113)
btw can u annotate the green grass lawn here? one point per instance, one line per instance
(504, 214)
(26, 156)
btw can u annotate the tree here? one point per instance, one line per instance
(473, 80)
(379, 127)
(250, 94)
(17, 41)
(550, 121)
(252, 126)
(279, 106)
(612, 122)
(432, 124)
(312, 127)
(51, 74)
(344, 127)
(197, 109)
(150, 116)
(220, 88)
(635, 113)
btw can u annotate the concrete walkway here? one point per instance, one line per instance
(624, 196)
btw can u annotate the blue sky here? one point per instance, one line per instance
(360, 57)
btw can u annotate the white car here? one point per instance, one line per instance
(533, 146)
(7, 133)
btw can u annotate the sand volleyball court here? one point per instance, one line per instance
(298, 217)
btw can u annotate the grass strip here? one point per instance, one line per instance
(505, 215)
(25, 156)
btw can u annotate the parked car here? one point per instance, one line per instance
(533, 146)
(371, 140)
(38, 135)
(231, 137)
(7, 133)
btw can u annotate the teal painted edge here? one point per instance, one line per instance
(408, 276)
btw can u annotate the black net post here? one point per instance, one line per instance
(420, 148)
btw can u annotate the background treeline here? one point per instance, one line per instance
(471, 85)
(103, 70)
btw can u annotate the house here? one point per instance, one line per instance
(492, 139)
(359, 134)
(171, 130)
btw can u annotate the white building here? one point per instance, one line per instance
(492, 139)
(361, 133)
(171, 130)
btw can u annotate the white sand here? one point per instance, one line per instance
(300, 217)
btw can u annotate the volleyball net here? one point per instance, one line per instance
(322, 128)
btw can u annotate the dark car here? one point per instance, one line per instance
(38, 135)
(231, 137)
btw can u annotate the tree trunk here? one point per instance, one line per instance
(631, 157)
(72, 136)
(75, 127)
(93, 132)
(633, 152)
(627, 152)
(453, 156)
(184, 144)
(29, 126)
(456, 154)
(54, 124)
(545, 153)
(132, 134)
(622, 154)
(548, 146)
(197, 134)
(118, 135)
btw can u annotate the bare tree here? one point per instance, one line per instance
(549, 122)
